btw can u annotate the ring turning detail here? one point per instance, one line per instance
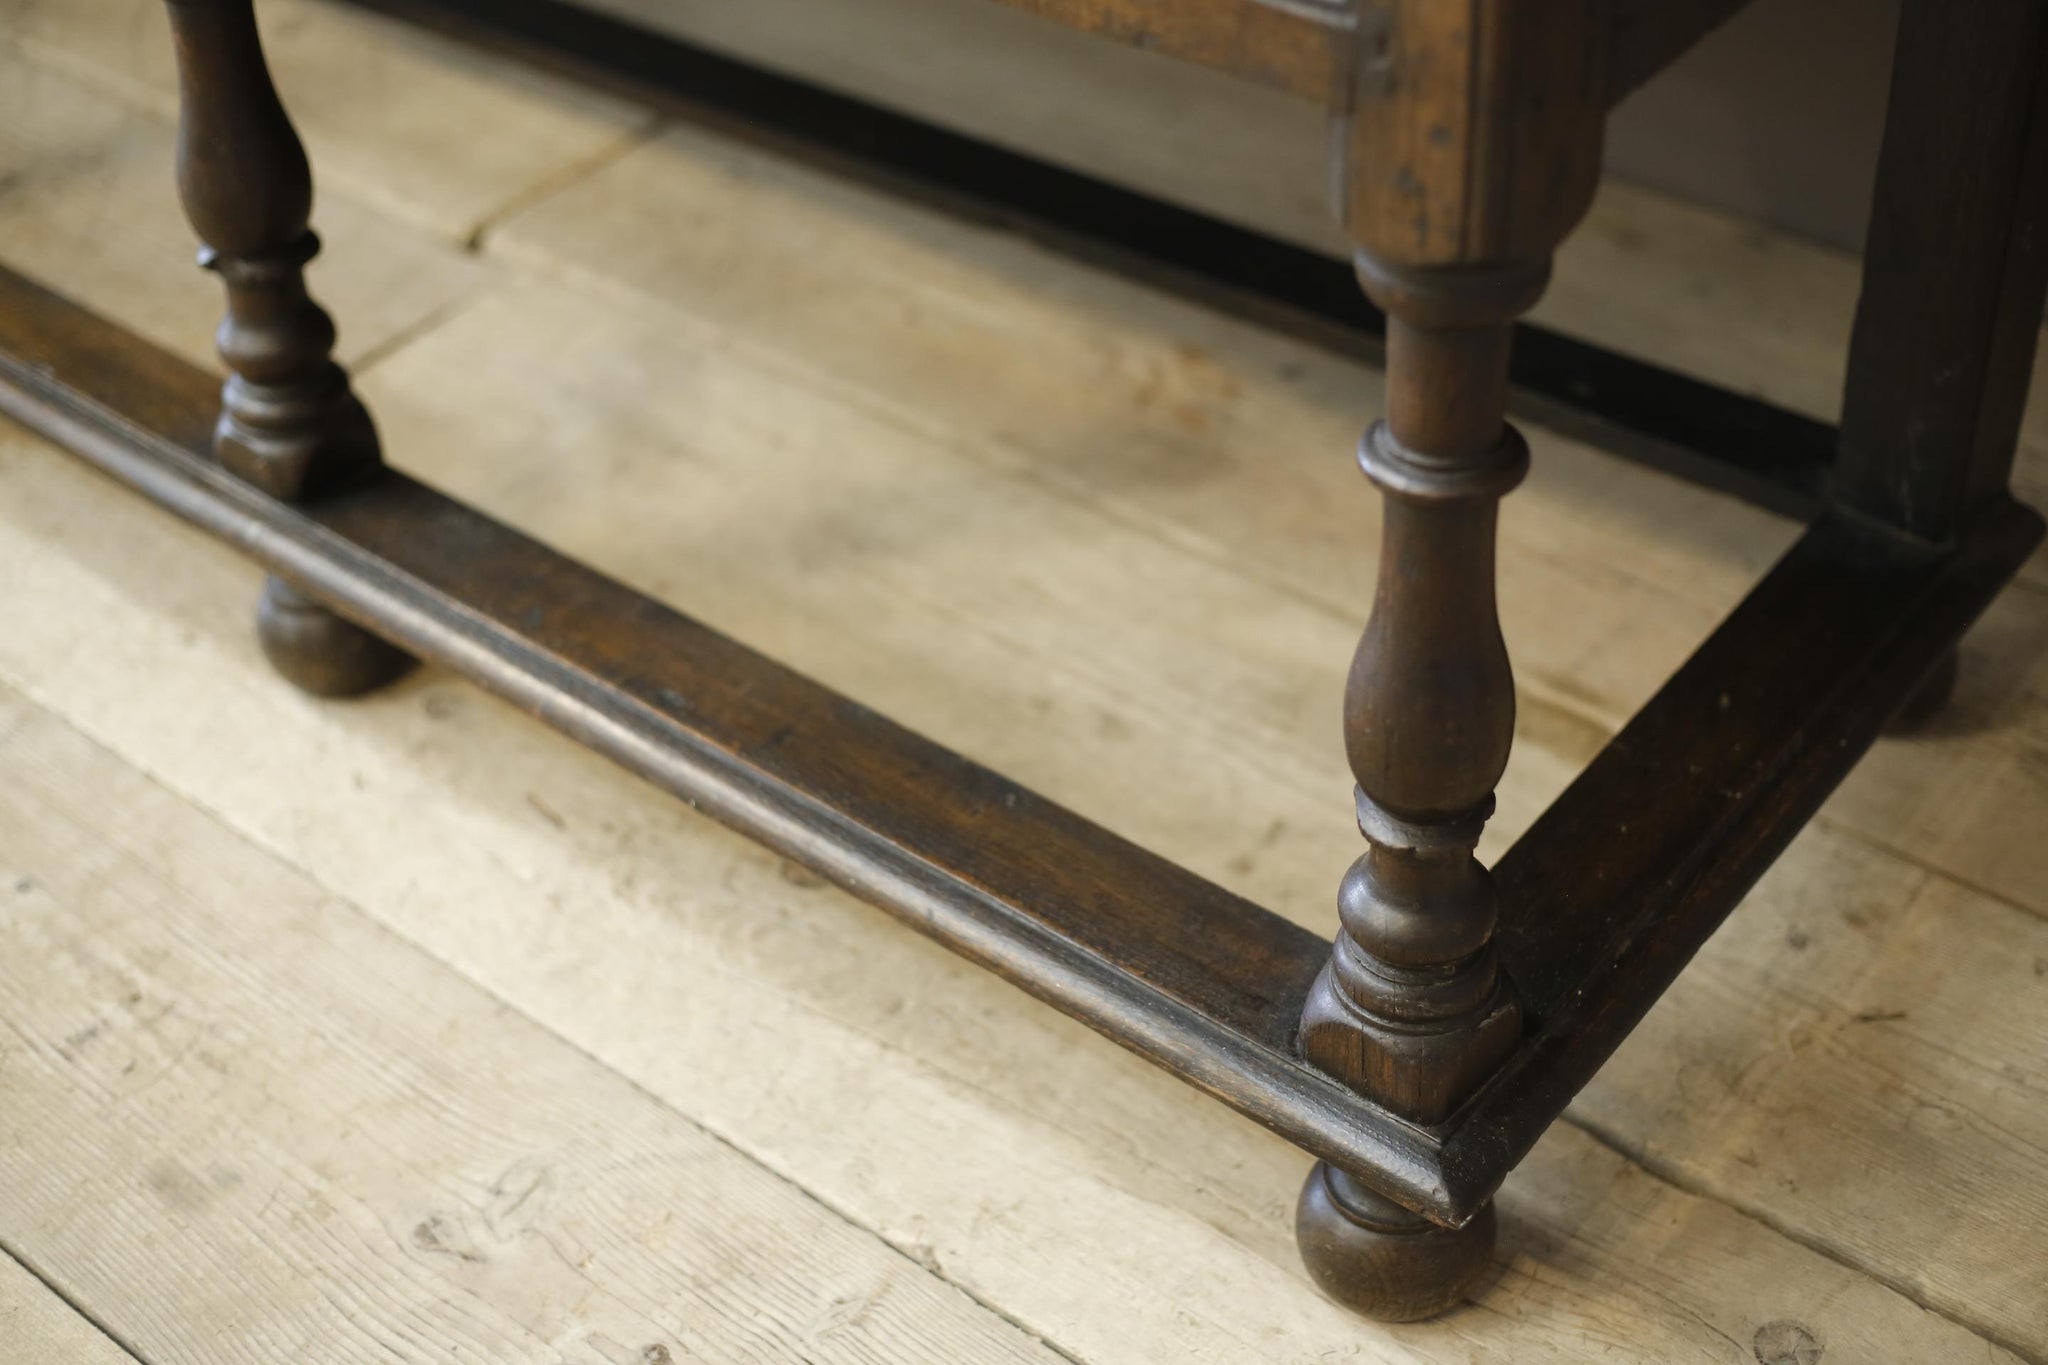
(290, 424)
(1421, 1055)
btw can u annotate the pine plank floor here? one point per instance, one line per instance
(414, 964)
(37, 1325)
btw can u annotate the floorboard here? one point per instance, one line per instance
(249, 1124)
(420, 128)
(1111, 545)
(990, 1138)
(39, 1328)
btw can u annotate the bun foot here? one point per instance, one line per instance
(1376, 1258)
(319, 652)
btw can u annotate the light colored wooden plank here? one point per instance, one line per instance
(87, 204)
(247, 1124)
(1112, 396)
(808, 1030)
(421, 127)
(1298, 47)
(38, 1328)
(1760, 312)
(1229, 442)
(1244, 153)
(1156, 478)
(1002, 617)
(1962, 804)
(1858, 1056)
(1186, 653)
(1970, 797)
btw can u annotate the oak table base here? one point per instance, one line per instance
(1603, 900)
(1424, 1053)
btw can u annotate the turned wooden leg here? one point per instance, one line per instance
(1412, 1009)
(290, 424)
(1469, 147)
(1954, 278)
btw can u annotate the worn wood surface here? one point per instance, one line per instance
(1299, 46)
(39, 1328)
(391, 117)
(1110, 545)
(1203, 983)
(1296, 46)
(1940, 360)
(1475, 134)
(226, 1087)
(660, 944)
(74, 155)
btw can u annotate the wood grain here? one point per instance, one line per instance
(1299, 46)
(1019, 1177)
(75, 157)
(38, 1328)
(1125, 501)
(1862, 1048)
(1109, 391)
(273, 1102)
(387, 114)
(1200, 982)
(1941, 357)
(1475, 135)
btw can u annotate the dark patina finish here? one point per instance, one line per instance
(289, 422)
(1460, 1009)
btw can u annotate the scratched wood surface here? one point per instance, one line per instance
(1114, 546)
(36, 1325)
(389, 115)
(230, 1090)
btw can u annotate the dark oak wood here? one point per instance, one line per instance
(1615, 887)
(1645, 36)
(1367, 1252)
(1955, 269)
(1937, 688)
(1304, 47)
(1203, 982)
(290, 424)
(1474, 130)
(1459, 1010)
(1593, 925)
(1471, 149)
(319, 652)
(1411, 1009)
(1299, 46)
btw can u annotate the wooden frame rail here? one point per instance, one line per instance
(1310, 48)
(1765, 719)
(1303, 47)
(1422, 1054)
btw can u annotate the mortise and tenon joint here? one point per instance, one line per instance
(1423, 1054)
